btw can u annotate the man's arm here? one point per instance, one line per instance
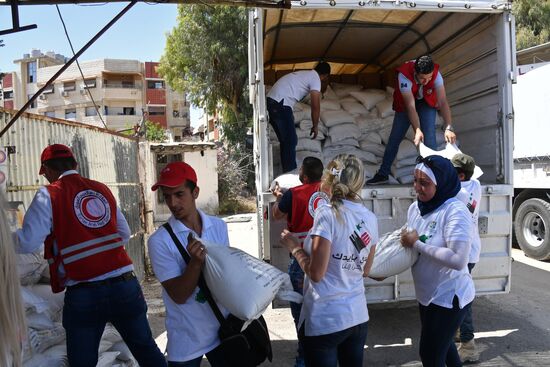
(37, 224)
(281, 208)
(445, 110)
(410, 107)
(122, 226)
(315, 112)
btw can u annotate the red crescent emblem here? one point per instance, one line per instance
(89, 203)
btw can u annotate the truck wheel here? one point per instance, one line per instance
(532, 227)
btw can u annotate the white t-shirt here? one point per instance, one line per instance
(295, 86)
(192, 327)
(337, 302)
(405, 85)
(470, 194)
(434, 282)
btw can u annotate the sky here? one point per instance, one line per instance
(139, 35)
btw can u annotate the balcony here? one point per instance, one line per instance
(119, 122)
(122, 91)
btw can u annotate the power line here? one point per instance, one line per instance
(80, 69)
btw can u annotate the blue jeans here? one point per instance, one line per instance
(282, 120)
(215, 358)
(439, 324)
(467, 326)
(344, 347)
(297, 279)
(88, 309)
(401, 124)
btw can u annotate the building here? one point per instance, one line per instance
(110, 93)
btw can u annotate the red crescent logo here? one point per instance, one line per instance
(90, 204)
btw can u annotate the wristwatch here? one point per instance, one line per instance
(450, 128)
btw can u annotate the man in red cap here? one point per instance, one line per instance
(190, 323)
(84, 233)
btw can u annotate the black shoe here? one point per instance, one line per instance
(378, 179)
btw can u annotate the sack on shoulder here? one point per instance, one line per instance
(247, 348)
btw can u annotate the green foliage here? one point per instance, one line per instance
(206, 56)
(155, 132)
(532, 22)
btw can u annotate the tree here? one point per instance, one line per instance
(206, 56)
(154, 132)
(532, 22)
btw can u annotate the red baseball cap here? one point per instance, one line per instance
(54, 151)
(175, 174)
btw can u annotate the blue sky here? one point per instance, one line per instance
(140, 34)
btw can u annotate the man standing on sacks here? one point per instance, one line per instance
(84, 233)
(190, 323)
(297, 206)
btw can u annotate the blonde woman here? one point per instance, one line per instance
(12, 317)
(337, 255)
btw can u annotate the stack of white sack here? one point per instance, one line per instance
(45, 342)
(391, 258)
(357, 121)
(243, 284)
(285, 181)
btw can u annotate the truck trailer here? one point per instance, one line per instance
(364, 41)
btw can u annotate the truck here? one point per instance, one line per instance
(531, 207)
(364, 41)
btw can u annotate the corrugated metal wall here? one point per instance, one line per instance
(104, 156)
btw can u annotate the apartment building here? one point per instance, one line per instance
(113, 93)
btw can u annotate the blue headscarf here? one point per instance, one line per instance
(448, 183)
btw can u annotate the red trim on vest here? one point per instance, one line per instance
(430, 94)
(306, 199)
(84, 238)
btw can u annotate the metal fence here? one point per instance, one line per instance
(102, 155)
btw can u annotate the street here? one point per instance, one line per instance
(511, 329)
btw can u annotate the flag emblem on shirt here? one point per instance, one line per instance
(472, 206)
(360, 240)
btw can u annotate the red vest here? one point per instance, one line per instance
(306, 199)
(84, 238)
(429, 93)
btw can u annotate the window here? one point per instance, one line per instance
(176, 113)
(113, 111)
(48, 90)
(49, 114)
(69, 86)
(33, 104)
(157, 111)
(31, 72)
(8, 94)
(91, 111)
(127, 84)
(89, 83)
(70, 113)
(155, 84)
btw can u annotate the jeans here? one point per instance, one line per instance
(344, 347)
(215, 358)
(467, 326)
(439, 324)
(401, 124)
(88, 309)
(281, 118)
(297, 278)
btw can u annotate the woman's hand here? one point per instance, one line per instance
(408, 238)
(289, 240)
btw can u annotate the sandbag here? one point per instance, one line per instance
(330, 105)
(369, 97)
(385, 134)
(385, 108)
(410, 161)
(106, 359)
(300, 115)
(39, 340)
(308, 144)
(406, 180)
(243, 284)
(348, 141)
(286, 181)
(343, 131)
(391, 258)
(55, 356)
(355, 108)
(372, 137)
(377, 149)
(123, 350)
(299, 106)
(30, 267)
(403, 171)
(306, 124)
(332, 118)
(343, 90)
(306, 134)
(406, 149)
(329, 94)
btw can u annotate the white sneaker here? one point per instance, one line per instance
(468, 352)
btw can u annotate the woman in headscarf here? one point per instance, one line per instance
(440, 229)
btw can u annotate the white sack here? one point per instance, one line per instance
(106, 359)
(449, 152)
(391, 258)
(385, 134)
(403, 171)
(410, 161)
(410, 134)
(306, 124)
(330, 105)
(369, 97)
(303, 154)
(376, 149)
(55, 356)
(243, 284)
(343, 90)
(348, 98)
(405, 180)
(286, 181)
(406, 149)
(385, 108)
(348, 141)
(30, 267)
(355, 108)
(308, 144)
(332, 118)
(39, 340)
(299, 106)
(305, 134)
(299, 116)
(123, 350)
(55, 301)
(372, 137)
(343, 131)
(33, 302)
(389, 92)
(329, 93)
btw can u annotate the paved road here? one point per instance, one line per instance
(511, 329)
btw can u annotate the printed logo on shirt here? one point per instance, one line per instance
(316, 200)
(431, 230)
(404, 85)
(429, 91)
(360, 238)
(350, 262)
(92, 209)
(472, 204)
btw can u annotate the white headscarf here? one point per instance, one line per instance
(427, 170)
